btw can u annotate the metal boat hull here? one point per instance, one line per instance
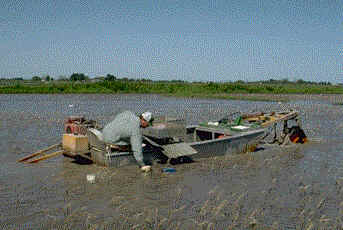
(227, 145)
(238, 143)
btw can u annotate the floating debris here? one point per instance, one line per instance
(91, 178)
(169, 170)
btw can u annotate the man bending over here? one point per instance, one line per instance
(125, 130)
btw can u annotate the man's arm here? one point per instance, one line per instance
(136, 145)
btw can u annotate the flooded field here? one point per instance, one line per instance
(296, 187)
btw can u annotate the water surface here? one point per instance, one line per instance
(276, 187)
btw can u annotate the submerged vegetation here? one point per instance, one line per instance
(80, 83)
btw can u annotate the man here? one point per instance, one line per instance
(125, 129)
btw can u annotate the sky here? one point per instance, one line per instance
(224, 40)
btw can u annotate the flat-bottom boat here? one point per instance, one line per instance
(172, 139)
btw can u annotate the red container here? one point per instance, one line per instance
(75, 125)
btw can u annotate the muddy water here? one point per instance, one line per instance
(296, 187)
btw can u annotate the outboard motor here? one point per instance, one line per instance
(297, 135)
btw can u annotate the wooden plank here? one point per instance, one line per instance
(47, 156)
(178, 149)
(39, 152)
(281, 118)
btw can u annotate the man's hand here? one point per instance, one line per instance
(146, 168)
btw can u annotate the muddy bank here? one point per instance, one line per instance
(298, 187)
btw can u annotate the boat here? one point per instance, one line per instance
(170, 139)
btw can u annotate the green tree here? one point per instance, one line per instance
(110, 77)
(300, 81)
(36, 78)
(78, 77)
(47, 78)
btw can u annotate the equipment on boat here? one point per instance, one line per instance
(42, 152)
(74, 141)
(78, 125)
(170, 139)
(244, 121)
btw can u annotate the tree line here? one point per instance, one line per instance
(81, 77)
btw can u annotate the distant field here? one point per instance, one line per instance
(244, 91)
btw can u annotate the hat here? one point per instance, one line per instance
(147, 116)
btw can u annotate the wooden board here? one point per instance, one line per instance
(39, 152)
(47, 156)
(288, 116)
(178, 149)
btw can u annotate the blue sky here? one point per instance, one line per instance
(164, 40)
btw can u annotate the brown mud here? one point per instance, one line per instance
(295, 187)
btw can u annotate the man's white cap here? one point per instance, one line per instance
(147, 116)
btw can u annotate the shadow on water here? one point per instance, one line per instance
(259, 149)
(81, 160)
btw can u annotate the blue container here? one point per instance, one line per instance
(169, 170)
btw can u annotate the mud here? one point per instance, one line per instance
(295, 187)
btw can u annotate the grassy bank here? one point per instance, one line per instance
(179, 89)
